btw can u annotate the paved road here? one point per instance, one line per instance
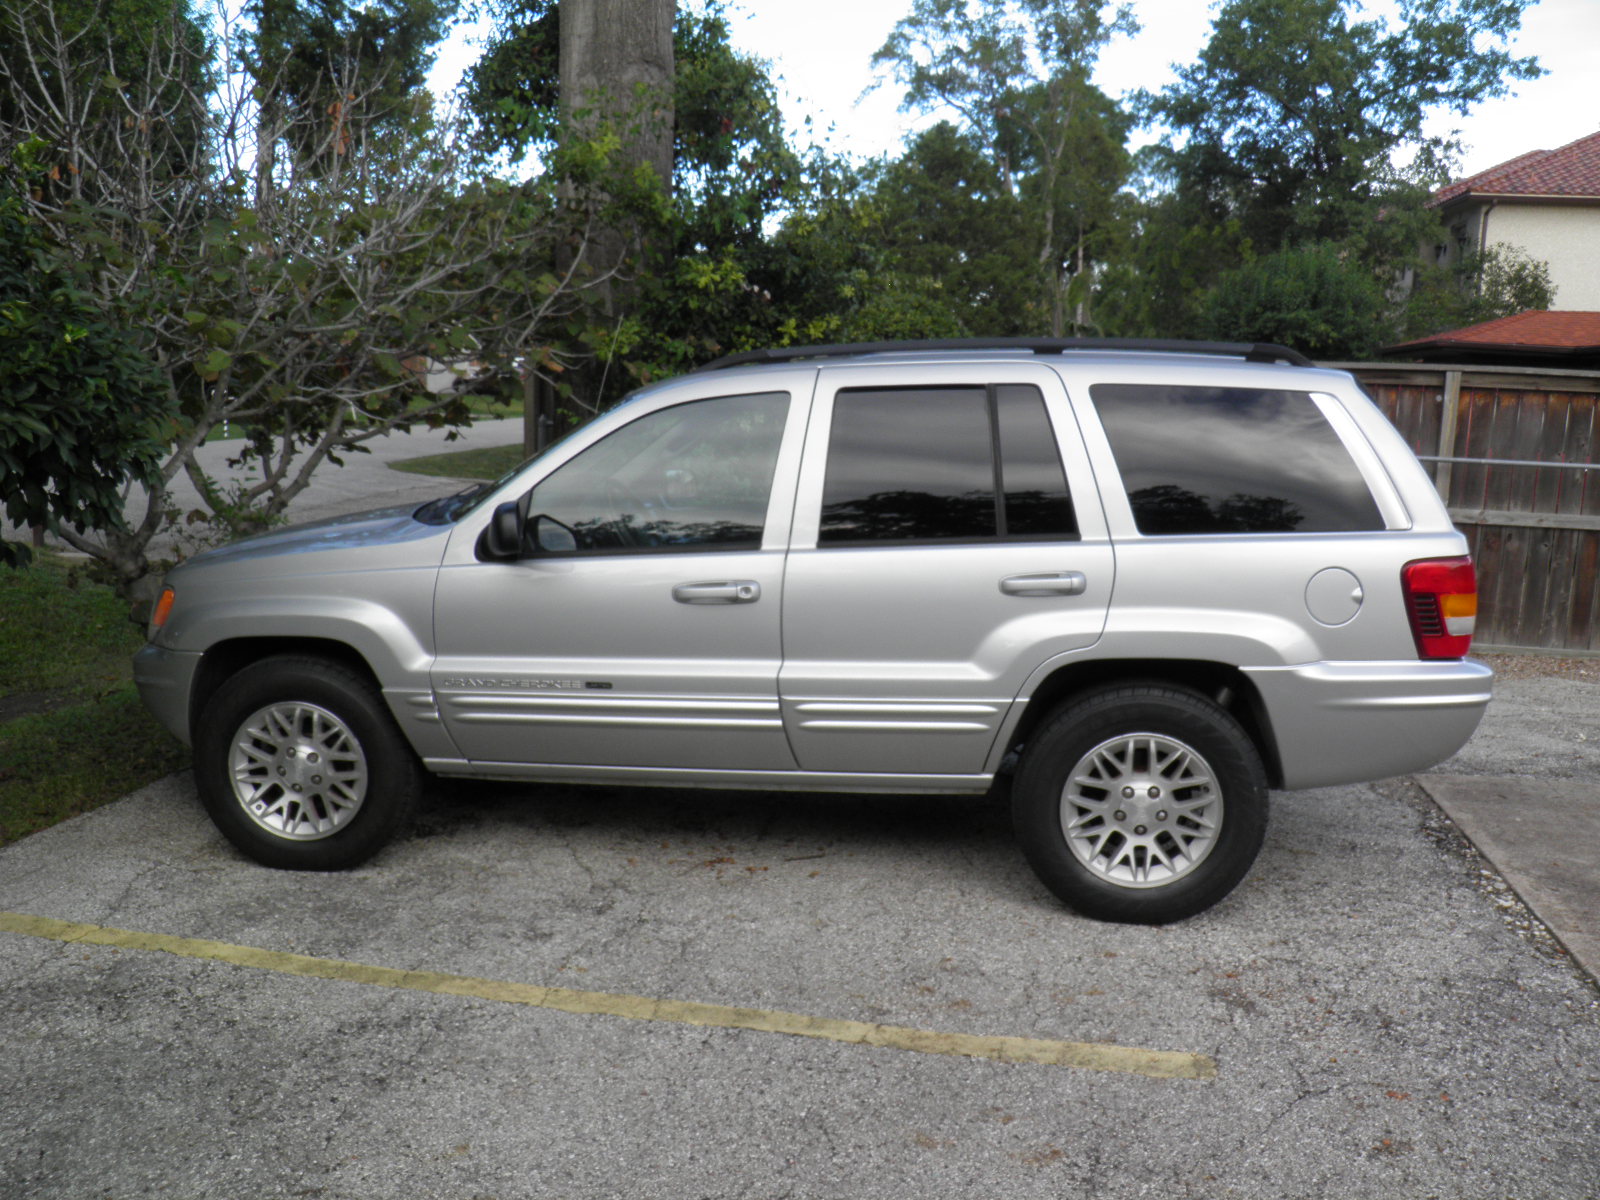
(364, 481)
(1375, 1021)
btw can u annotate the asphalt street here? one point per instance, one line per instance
(364, 481)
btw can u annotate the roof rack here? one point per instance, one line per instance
(1260, 352)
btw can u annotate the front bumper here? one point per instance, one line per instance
(1349, 722)
(164, 678)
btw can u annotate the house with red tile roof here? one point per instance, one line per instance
(1534, 339)
(1545, 203)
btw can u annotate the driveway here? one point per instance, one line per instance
(612, 992)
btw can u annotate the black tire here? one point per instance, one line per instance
(322, 730)
(1159, 836)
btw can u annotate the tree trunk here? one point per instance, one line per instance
(617, 68)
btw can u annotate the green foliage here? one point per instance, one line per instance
(78, 59)
(1295, 115)
(513, 91)
(338, 69)
(1478, 287)
(978, 56)
(1017, 75)
(942, 212)
(73, 734)
(1170, 248)
(1315, 298)
(1297, 163)
(301, 302)
(85, 412)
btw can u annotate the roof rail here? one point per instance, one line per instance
(1261, 352)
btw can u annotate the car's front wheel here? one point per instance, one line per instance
(1140, 803)
(300, 765)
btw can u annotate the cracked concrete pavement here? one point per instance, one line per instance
(1384, 1021)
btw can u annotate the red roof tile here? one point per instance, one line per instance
(1573, 170)
(1538, 329)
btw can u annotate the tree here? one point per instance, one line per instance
(1315, 297)
(617, 86)
(84, 409)
(1498, 282)
(942, 211)
(718, 276)
(1017, 74)
(67, 67)
(1296, 116)
(307, 58)
(1304, 126)
(307, 321)
(759, 245)
(513, 92)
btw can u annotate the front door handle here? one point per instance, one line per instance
(1046, 583)
(726, 591)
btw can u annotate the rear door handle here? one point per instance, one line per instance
(1046, 583)
(725, 591)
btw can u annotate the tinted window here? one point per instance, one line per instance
(909, 465)
(1231, 460)
(696, 475)
(920, 464)
(1034, 485)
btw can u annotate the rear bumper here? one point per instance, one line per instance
(1348, 722)
(163, 678)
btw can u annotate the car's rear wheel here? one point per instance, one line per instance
(300, 765)
(1140, 804)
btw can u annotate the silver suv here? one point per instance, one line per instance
(1148, 581)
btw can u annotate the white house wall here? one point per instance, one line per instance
(1567, 238)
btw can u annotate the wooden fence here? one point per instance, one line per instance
(1512, 450)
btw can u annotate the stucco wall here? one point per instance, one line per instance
(1568, 238)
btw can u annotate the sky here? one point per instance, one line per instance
(821, 57)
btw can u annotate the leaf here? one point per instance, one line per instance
(214, 364)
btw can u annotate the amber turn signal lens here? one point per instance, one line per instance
(163, 607)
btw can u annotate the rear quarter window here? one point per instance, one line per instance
(1199, 460)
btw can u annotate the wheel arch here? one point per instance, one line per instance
(227, 658)
(1221, 683)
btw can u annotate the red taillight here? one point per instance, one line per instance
(1442, 601)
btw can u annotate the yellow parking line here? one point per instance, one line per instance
(1093, 1056)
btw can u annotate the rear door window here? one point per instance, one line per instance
(1199, 460)
(943, 464)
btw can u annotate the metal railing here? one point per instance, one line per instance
(1511, 462)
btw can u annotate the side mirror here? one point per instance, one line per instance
(552, 537)
(503, 536)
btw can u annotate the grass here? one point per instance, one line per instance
(73, 734)
(489, 462)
